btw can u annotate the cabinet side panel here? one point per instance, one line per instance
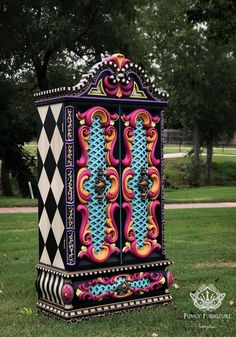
(51, 185)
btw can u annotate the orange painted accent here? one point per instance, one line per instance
(125, 182)
(155, 183)
(119, 93)
(102, 255)
(145, 250)
(119, 58)
(145, 117)
(101, 114)
(110, 229)
(80, 182)
(152, 226)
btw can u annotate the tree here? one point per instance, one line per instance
(196, 71)
(36, 33)
(16, 119)
(47, 39)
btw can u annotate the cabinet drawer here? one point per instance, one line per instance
(121, 286)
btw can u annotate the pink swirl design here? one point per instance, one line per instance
(128, 173)
(169, 277)
(83, 195)
(148, 248)
(83, 137)
(113, 192)
(105, 116)
(110, 138)
(120, 61)
(111, 228)
(147, 118)
(154, 175)
(152, 138)
(128, 228)
(84, 233)
(128, 137)
(153, 228)
(117, 89)
(101, 257)
(84, 289)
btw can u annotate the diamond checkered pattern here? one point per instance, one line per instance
(51, 185)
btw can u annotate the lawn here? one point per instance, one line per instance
(201, 243)
(201, 194)
(182, 195)
(227, 150)
(15, 202)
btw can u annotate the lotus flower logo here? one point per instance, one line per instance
(207, 297)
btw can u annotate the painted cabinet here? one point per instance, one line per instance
(101, 212)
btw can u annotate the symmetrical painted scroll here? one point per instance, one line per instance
(140, 183)
(97, 184)
(120, 286)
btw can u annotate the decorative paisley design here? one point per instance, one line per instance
(83, 195)
(84, 233)
(152, 138)
(112, 193)
(118, 83)
(83, 137)
(147, 185)
(128, 173)
(111, 229)
(105, 117)
(147, 118)
(97, 185)
(121, 286)
(154, 175)
(128, 138)
(110, 138)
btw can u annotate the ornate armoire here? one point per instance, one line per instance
(101, 212)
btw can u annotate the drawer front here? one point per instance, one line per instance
(122, 286)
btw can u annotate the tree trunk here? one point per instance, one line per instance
(41, 72)
(41, 75)
(5, 180)
(196, 155)
(208, 167)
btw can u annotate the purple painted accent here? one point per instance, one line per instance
(69, 110)
(70, 193)
(70, 245)
(140, 102)
(68, 207)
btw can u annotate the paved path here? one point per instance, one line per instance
(167, 206)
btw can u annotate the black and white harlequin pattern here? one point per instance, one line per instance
(51, 185)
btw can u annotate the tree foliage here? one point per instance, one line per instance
(197, 67)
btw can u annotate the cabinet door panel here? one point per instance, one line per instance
(97, 185)
(140, 184)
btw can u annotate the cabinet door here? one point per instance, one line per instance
(97, 187)
(141, 185)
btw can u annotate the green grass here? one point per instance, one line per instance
(227, 150)
(201, 194)
(182, 195)
(201, 243)
(15, 202)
